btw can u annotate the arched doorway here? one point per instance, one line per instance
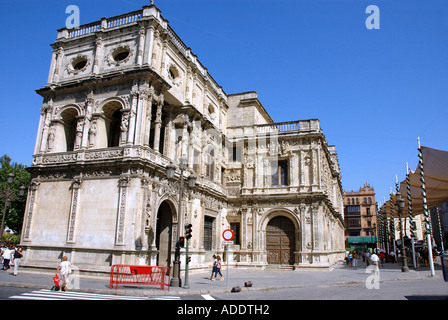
(164, 234)
(280, 241)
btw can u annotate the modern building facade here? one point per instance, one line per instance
(360, 214)
(126, 99)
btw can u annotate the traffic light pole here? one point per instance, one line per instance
(187, 262)
(176, 280)
(187, 254)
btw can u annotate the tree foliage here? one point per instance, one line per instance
(16, 207)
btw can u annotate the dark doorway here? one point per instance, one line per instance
(164, 234)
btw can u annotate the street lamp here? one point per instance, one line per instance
(399, 205)
(170, 170)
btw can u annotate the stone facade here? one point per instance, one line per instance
(125, 98)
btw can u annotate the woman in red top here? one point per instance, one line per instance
(382, 258)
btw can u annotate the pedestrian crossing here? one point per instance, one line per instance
(45, 294)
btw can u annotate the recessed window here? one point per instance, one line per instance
(121, 55)
(79, 65)
(172, 74)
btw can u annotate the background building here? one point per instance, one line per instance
(361, 217)
(125, 100)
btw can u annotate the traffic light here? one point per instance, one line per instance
(188, 231)
(182, 242)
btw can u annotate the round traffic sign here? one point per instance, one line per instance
(227, 235)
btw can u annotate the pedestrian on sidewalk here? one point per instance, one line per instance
(16, 258)
(374, 259)
(367, 257)
(392, 256)
(213, 267)
(64, 270)
(218, 268)
(350, 259)
(382, 258)
(6, 258)
(355, 258)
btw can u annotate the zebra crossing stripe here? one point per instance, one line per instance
(45, 294)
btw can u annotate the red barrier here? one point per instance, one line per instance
(148, 275)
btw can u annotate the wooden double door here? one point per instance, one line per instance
(280, 241)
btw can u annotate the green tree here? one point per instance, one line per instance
(16, 207)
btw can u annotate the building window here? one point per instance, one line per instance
(208, 233)
(235, 227)
(210, 164)
(113, 136)
(354, 223)
(280, 173)
(196, 162)
(235, 153)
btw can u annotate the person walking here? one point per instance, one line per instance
(355, 259)
(64, 270)
(367, 258)
(6, 258)
(16, 258)
(213, 267)
(218, 268)
(350, 259)
(382, 258)
(374, 259)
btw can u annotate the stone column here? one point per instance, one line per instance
(121, 214)
(98, 54)
(124, 127)
(76, 185)
(46, 115)
(158, 122)
(28, 219)
(141, 45)
(79, 131)
(87, 121)
(133, 118)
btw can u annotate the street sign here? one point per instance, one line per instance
(227, 235)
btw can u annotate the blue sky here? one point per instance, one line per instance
(374, 91)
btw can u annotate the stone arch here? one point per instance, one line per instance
(165, 231)
(112, 124)
(280, 236)
(63, 132)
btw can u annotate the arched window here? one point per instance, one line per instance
(113, 134)
(110, 125)
(69, 121)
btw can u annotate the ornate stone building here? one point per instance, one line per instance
(125, 98)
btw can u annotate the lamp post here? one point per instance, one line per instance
(399, 205)
(8, 197)
(170, 170)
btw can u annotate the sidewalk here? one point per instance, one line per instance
(262, 280)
